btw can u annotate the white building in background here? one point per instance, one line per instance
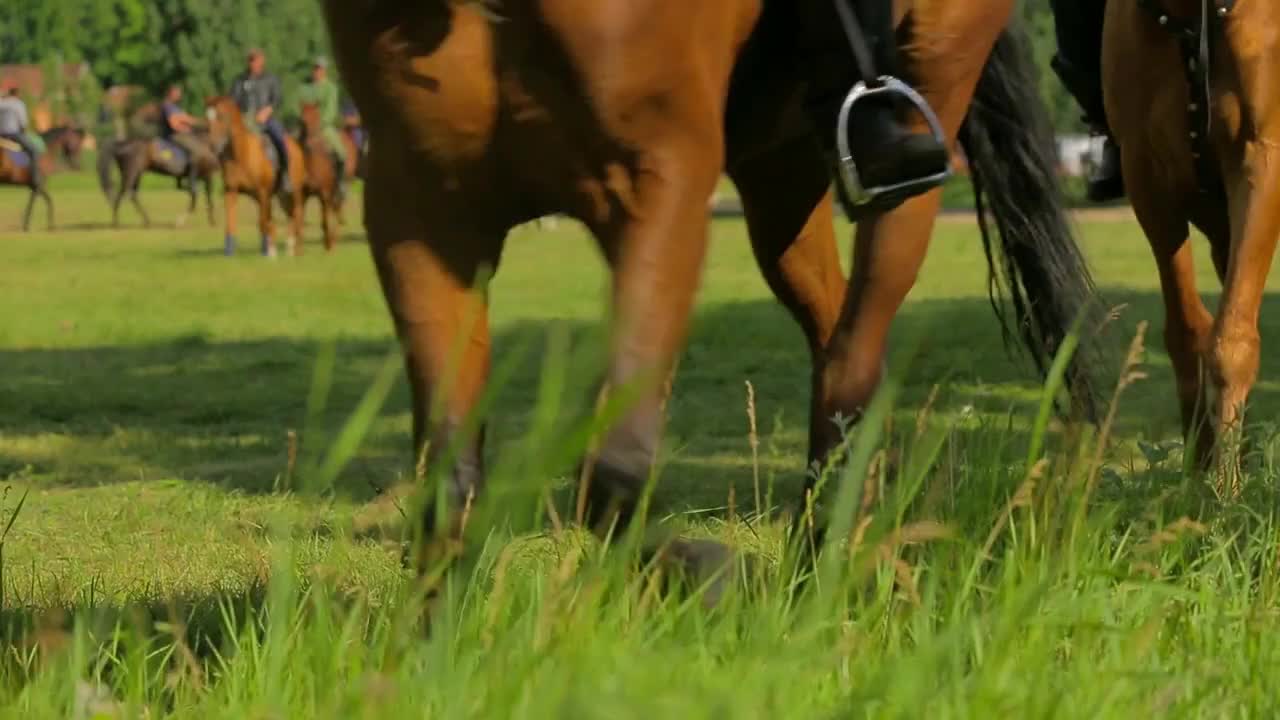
(1078, 154)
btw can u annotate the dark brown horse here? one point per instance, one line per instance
(65, 144)
(135, 157)
(247, 169)
(624, 115)
(324, 179)
(15, 169)
(1211, 160)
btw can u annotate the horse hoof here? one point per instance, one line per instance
(705, 566)
(229, 246)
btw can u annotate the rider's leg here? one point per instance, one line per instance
(33, 152)
(1078, 64)
(195, 150)
(275, 132)
(884, 150)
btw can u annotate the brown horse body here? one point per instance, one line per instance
(323, 178)
(64, 143)
(247, 170)
(357, 158)
(624, 115)
(134, 158)
(16, 174)
(1148, 98)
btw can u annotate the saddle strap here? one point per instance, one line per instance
(862, 55)
(1194, 40)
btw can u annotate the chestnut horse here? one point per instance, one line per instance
(353, 139)
(624, 115)
(247, 169)
(15, 169)
(1201, 146)
(323, 180)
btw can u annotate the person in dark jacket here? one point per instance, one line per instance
(1078, 64)
(885, 151)
(257, 92)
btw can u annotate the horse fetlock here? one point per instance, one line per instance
(612, 485)
(1234, 360)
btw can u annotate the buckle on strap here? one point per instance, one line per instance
(849, 175)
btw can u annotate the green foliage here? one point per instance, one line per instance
(152, 43)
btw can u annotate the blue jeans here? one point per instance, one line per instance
(275, 133)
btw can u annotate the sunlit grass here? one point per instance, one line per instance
(155, 395)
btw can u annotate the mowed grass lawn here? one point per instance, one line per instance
(153, 394)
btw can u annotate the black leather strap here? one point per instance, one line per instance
(1194, 39)
(862, 55)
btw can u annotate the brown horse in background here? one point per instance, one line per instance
(624, 115)
(247, 170)
(135, 157)
(65, 143)
(14, 173)
(1212, 161)
(323, 179)
(354, 140)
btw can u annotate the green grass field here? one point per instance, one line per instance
(173, 557)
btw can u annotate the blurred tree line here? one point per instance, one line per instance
(202, 43)
(151, 43)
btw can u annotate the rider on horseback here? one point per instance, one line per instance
(883, 162)
(321, 92)
(176, 126)
(15, 126)
(1078, 64)
(884, 155)
(257, 92)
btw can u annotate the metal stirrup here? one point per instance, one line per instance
(858, 194)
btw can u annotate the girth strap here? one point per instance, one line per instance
(1194, 39)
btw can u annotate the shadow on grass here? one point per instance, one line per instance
(221, 412)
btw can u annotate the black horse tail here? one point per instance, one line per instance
(106, 159)
(1037, 269)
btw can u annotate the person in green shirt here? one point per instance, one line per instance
(323, 93)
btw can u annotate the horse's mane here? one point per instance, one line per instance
(224, 103)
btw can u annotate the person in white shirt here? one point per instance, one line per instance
(14, 125)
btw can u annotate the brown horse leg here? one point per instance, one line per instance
(656, 255)
(294, 206)
(328, 221)
(229, 200)
(1236, 352)
(1188, 324)
(890, 249)
(48, 204)
(266, 225)
(888, 254)
(208, 200)
(429, 276)
(297, 218)
(117, 195)
(31, 206)
(193, 193)
(134, 180)
(794, 241)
